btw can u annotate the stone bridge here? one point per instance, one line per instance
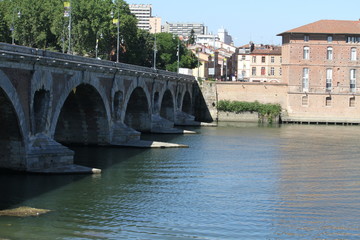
(49, 100)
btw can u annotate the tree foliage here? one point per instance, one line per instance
(169, 46)
(42, 24)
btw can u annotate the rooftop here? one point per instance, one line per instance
(328, 27)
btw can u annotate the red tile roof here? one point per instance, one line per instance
(267, 51)
(328, 27)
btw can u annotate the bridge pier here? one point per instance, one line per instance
(44, 152)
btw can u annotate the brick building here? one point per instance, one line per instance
(320, 63)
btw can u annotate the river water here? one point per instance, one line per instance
(233, 182)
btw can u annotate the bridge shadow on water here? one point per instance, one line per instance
(18, 187)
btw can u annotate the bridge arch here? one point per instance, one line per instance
(13, 130)
(138, 113)
(167, 109)
(186, 103)
(83, 118)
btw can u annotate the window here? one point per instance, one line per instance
(329, 39)
(263, 71)
(263, 59)
(328, 101)
(272, 71)
(272, 59)
(254, 59)
(352, 39)
(243, 73)
(328, 79)
(306, 53)
(253, 71)
(306, 38)
(352, 80)
(353, 56)
(280, 59)
(305, 80)
(329, 53)
(280, 71)
(352, 102)
(304, 100)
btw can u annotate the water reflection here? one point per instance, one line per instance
(234, 182)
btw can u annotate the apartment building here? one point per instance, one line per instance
(259, 63)
(320, 64)
(184, 29)
(143, 13)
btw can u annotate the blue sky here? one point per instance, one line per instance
(256, 20)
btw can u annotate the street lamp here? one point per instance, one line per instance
(117, 22)
(155, 50)
(97, 44)
(67, 13)
(178, 52)
(12, 28)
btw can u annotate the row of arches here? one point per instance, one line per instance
(82, 119)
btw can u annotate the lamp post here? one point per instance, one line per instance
(117, 22)
(12, 28)
(67, 13)
(177, 52)
(155, 50)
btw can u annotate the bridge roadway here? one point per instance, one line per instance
(49, 100)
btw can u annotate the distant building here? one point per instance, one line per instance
(321, 64)
(206, 39)
(259, 63)
(143, 13)
(155, 24)
(265, 64)
(224, 36)
(184, 29)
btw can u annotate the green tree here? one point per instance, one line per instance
(5, 33)
(192, 37)
(31, 21)
(167, 45)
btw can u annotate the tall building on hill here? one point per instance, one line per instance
(143, 13)
(184, 29)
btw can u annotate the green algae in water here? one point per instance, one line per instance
(23, 212)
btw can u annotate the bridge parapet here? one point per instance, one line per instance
(22, 53)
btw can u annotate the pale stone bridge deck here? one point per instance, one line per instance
(48, 99)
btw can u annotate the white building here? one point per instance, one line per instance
(143, 13)
(225, 37)
(184, 29)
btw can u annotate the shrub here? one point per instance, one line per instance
(265, 110)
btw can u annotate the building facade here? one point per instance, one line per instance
(155, 25)
(184, 29)
(259, 63)
(143, 13)
(321, 64)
